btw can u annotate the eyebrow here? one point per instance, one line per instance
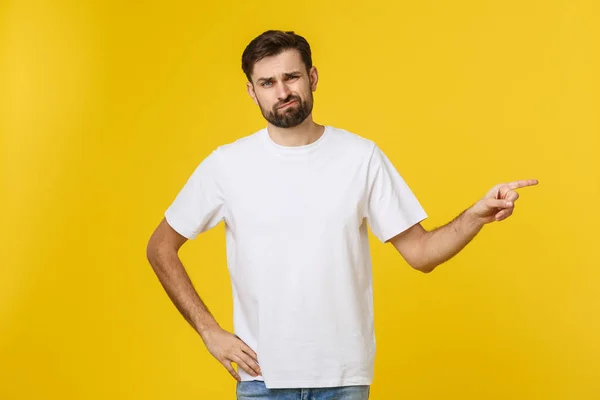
(293, 73)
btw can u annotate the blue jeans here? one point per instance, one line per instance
(256, 390)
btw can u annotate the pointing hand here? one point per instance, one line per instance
(499, 203)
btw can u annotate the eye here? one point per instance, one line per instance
(266, 83)
(292, 77)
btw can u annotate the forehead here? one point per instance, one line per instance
(286, 61)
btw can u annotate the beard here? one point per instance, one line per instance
(290, 116)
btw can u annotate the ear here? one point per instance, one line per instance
(250, 89)
(314, 78)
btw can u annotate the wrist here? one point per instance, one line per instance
(473, 219)
(205, 328)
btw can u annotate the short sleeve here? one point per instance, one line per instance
(199, 205)
(391, 205)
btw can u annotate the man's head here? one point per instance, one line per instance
(281, 77)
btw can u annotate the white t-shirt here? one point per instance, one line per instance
(297, 248)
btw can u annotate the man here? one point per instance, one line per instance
(296, 198)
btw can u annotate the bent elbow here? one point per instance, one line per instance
(154, 248)
(424, 268)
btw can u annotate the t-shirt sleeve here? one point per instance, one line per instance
(199, 205)
(391, 205)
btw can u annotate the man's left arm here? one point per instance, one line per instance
(424, 250)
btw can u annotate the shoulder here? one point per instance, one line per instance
(239, 149)
(352, 142)
(228, 156)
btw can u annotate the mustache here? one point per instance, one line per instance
(287, 100)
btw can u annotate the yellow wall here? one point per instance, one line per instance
(106, 108)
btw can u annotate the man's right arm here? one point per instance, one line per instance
(162, 253)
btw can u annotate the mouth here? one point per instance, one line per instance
(289, 103)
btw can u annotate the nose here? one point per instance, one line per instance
(283, 91)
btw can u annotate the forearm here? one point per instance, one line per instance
(441, 244)
(176, 282)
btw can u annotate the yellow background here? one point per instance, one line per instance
(107, 107)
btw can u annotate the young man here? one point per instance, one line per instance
(296, 198)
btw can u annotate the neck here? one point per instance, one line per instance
(305, 133)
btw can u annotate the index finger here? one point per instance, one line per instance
(522, 183)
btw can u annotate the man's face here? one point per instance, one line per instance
(282, 88)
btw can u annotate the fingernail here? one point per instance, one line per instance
(509, 204)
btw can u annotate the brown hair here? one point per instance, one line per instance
(272, 43)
